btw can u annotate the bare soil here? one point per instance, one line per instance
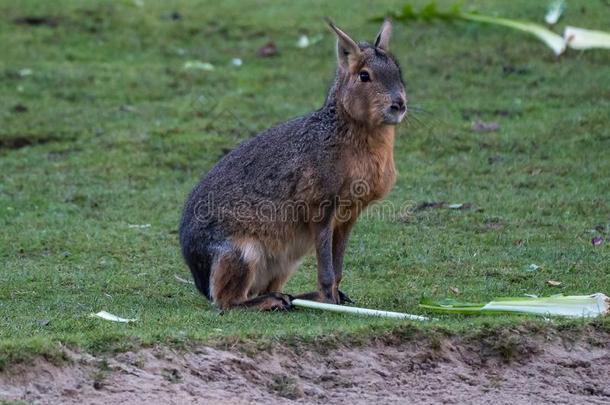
(501, 368)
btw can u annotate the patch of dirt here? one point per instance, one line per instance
(18, 142)
(19, 109)
(37, 21)
(468, 114)
(504, 368)
(481, 126)
(268, 50)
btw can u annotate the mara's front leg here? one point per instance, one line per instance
(340, 237)
(327, 284)
(330, 250)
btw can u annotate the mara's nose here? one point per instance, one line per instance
(398, 104)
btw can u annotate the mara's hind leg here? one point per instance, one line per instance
(276, 285)
(232, 278)
(281, 272)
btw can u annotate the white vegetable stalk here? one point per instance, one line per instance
(580, 38)
(574, 306)
(357, 311)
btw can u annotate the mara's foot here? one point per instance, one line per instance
(269, 302)
(344, 298)
(340, 299)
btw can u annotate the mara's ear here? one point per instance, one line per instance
(348, 52)
(383, 38)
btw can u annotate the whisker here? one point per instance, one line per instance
(422, 117)
(415, 122)
(417, 108)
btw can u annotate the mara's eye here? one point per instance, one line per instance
(364, 76)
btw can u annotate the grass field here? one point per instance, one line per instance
(102, 128)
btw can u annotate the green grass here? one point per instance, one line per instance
(119, 132)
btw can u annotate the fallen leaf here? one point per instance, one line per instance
(480, 126)
(110, 317)
(597, 241)
(183, 280)
(555, 11)
(303, 41)
(270, 49)
(197, 64)
(553, 283)
(533, 267)
(441, 204)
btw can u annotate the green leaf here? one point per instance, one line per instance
(431, 12)
(554, 41)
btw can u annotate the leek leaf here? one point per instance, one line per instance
(575, 306)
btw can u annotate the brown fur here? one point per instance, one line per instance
(231, 280)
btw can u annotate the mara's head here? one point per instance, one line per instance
(369, 88)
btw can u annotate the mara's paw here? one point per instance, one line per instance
(344, 298)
